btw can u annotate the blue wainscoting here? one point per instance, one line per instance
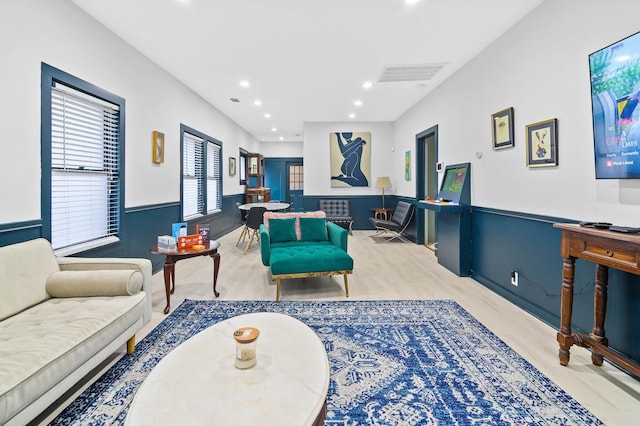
(139, 229)
(503, 241)
(361, 209)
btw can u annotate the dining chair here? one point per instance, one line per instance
(255, 218)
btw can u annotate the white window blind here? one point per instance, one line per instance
(214, 181)
(192, 176)
(85, 197)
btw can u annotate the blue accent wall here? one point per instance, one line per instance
(140, 227)
(361, 207)
(503, 241)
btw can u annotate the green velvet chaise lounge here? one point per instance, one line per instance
(302, 245)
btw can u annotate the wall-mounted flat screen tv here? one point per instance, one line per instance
(615, 92)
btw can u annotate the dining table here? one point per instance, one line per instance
(270, 206)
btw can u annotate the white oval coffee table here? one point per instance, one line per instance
(197, 383)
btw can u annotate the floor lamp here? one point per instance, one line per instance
(383, 182)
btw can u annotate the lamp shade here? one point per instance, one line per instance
(383, 182)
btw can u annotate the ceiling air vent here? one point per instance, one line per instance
(234, 99)
(398, 73)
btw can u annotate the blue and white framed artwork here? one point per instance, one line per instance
(350, 159)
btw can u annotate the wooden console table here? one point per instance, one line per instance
(608, 249)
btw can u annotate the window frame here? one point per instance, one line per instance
(49, 76)
(242, 166)
(202, 192)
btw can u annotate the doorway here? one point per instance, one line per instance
(295, 185)
(427, 184)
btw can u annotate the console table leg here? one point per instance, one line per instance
(216, 266)
(564, 337)
(600, 311)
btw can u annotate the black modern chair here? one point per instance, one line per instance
(337, 212)
(255, 218)
(398, 223)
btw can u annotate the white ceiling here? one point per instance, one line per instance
(306, 60)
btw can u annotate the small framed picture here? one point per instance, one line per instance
(542, 143)
(407, 166)
(502, 129)
(158, 147)
(232, 166)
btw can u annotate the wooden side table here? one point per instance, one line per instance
(170, 266)
(382, 213)
(607, 249)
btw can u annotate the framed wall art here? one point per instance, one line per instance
(542, 143)
(407, 166)
(350, 159)
(158, 147)
(502, 129)
(232, 166)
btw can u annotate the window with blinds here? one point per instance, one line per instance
(201, 174)
(85, 168)
(192, 177)
(214, 174)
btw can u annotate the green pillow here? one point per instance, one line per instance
(282, 230)
(313, 229)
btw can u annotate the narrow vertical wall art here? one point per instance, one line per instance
(407, 166)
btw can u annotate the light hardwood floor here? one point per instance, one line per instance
(400, 271)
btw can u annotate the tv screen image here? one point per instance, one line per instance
(456, 184)
(615, 92)
(454, 179)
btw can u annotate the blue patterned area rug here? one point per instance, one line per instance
(422, 362)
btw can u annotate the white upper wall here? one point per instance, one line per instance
(281, 149)
(317, 167)
(540, 68)
(59, 34)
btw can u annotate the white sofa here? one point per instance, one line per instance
(59, 319)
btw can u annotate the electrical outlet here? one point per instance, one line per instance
(514, 278)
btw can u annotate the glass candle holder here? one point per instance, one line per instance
(245, 347)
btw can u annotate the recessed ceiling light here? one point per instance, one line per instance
(281, 138)
(273, 129)
(267, 115)
(357, 103)
(367, 84)
(411, 1)
(244, 83)
(352, 115)
(257, 102)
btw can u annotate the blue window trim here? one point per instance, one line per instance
(184, 128)
(49, 75)
(243, 158)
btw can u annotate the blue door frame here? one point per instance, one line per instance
(421, 167)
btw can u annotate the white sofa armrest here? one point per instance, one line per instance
(114, 263)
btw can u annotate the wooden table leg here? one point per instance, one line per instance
(216, 266)
(564, 336)
(600, 311)
(169, 273)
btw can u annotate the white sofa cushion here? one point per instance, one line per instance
(44, 344)
(94, 283)
(26, 267)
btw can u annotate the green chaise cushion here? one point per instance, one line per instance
(309, 258)
(281, 230)
(313, 229)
